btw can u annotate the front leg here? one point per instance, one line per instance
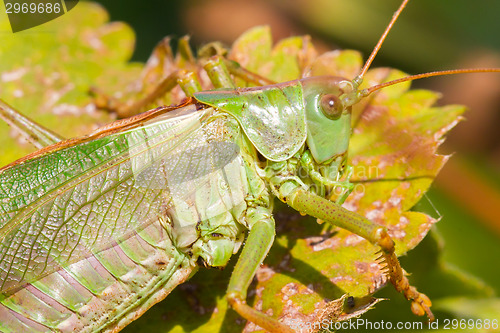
(326, 210)
(307, 162)
(257, 245)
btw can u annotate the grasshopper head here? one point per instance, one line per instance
(328, 102)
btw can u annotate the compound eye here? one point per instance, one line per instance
(331, 106)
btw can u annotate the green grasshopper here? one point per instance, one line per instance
(95, 230)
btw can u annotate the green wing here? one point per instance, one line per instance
(61, 207)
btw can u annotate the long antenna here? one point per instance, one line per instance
(381, 41)
(368, 91)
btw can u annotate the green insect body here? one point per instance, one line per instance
(96, 230)
(148, 261)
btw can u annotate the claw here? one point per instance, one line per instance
(421, 306)
(420, 303)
